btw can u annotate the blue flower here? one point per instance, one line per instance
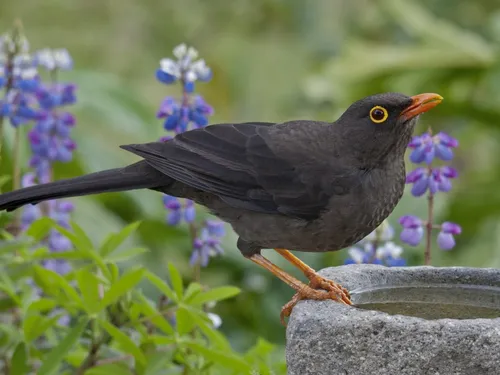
(377, 248)
(426, 147)
(185, 68)
(178, 116)
(54, 59)
(446, 239)
(432, 180)
(199, 111)
(413, 231)
(56, 95)
(17, 107)
(179, 209)
(206, 245)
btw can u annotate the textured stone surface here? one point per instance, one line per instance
(326, 338)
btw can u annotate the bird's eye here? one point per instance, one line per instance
(378, 114)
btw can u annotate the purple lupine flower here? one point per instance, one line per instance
(430, 179)
(57, 59)
(207, 244)
(426, 147)
(50, 141)
(413, 230)
(446, 239)
(54, 95)
(17, 106)
(179, 115)
(199, 112)
(18, 71)
(179, 209)
(377, 248)
(185, 68)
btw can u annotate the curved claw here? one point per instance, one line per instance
(318, 289)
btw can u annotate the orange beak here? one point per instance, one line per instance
(421, 103)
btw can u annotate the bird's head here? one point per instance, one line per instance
(381, 125)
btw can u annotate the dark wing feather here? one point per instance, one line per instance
(241, 164)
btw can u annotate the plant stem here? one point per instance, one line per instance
(16, 173)
(192, 227)
(16, 170)
(93, 354)
(428, 229)
(9, 68)
(197, 267)
(430, 218)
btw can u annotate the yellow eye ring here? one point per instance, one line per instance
(378, 114)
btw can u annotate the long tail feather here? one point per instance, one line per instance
(136, 176)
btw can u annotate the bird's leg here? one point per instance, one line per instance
(316, 281)
(303, 291)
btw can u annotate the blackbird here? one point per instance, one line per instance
(309, 186)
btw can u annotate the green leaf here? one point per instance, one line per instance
(157, 363)
(125, 254)
(54, 358)
(19, 362)
(52, 283)
(162, 286)
(124, 341)
(184, 322)
(175, 279)
(119, 288)
(12, 246)
(9, 335)
(223, 358)
(40, 228)
(81, 240)
(8, 288)
(154, 316)
(162, 340)
(108, 369)
(89, 288)
(68, 255)
(216, 294)
(7, 303)
(261, 349)
(216, 338)
(4, 179)
(41, 305)
(192, 290)
(36, 325)
(116, 239)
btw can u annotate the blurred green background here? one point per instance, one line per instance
(275, 60)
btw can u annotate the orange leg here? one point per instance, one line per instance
(316, 280)
(321, 289)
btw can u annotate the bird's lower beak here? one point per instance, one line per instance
(421, 103)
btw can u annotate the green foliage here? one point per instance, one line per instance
(97, 319)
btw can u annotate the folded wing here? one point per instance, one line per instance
(241, 164)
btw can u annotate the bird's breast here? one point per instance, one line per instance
(351, 217)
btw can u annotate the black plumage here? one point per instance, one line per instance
(304, 185)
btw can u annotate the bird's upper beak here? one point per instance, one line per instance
(421, 103)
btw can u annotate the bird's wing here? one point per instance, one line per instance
(242, 164)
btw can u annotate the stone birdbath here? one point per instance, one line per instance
(406, 320)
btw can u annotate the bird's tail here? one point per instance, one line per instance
(136, 176)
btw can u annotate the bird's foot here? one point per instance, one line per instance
(319, 289)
